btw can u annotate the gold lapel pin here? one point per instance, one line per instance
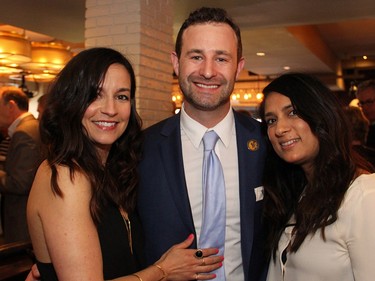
(252, 145)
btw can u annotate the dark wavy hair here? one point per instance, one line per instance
(208, 15)
(68, 144)
(335, 166)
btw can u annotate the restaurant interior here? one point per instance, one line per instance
(334, 40)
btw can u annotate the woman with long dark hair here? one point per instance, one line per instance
(81, 209)
(319, 194)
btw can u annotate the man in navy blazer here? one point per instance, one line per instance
(207, 60)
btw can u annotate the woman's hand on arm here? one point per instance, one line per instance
(180, 263)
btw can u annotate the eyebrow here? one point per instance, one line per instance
(194, 51)
(122, 90)
(218, 52)
(119, 90)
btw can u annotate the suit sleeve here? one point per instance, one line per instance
(21, 164)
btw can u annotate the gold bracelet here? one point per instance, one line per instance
(140, 279)
(162, 270)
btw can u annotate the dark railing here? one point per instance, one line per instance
(16, 260)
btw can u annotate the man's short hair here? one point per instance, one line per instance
(17, 95)
(209, 15)
(368, 84)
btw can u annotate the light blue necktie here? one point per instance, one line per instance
(214, 214)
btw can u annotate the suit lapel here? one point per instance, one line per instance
(171, 154)
(248, 156)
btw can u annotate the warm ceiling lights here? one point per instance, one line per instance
(48, 57)
(31, 60)
(14, 49)
(9, 70)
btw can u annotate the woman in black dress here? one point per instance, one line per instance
(81, 209)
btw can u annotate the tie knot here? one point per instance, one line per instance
(209, 140)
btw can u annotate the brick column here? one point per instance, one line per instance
(143, 31)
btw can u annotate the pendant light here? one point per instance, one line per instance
(47, 57)
(15, 49)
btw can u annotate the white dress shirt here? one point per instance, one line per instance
(226, 148)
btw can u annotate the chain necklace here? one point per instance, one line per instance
(128, 226)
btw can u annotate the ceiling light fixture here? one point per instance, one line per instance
(9, 70)
(14, 49)
(48, 58)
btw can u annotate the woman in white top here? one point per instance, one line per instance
(319, 194)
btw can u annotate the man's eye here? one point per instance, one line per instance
(196, 57)
(221, 60)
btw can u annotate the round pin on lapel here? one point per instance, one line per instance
(252, 145)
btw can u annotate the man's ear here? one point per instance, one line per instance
(175, 63)
(240, 66)
(12, 105)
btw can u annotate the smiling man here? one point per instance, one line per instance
(207, 60)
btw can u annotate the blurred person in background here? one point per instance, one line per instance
(359, 127)
(366, 100)
(42, 101)
(22, 160)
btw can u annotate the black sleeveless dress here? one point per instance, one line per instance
(117, 258)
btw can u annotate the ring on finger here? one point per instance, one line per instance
(199, 254)
(196, 276)
(203, 262)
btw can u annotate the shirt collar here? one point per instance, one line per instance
(195, 131)
(15, 123)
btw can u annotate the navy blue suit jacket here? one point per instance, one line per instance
(163, 202)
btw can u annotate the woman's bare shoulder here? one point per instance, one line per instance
(67, 180)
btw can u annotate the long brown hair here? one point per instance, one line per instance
(67, 142)
(335, 166)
